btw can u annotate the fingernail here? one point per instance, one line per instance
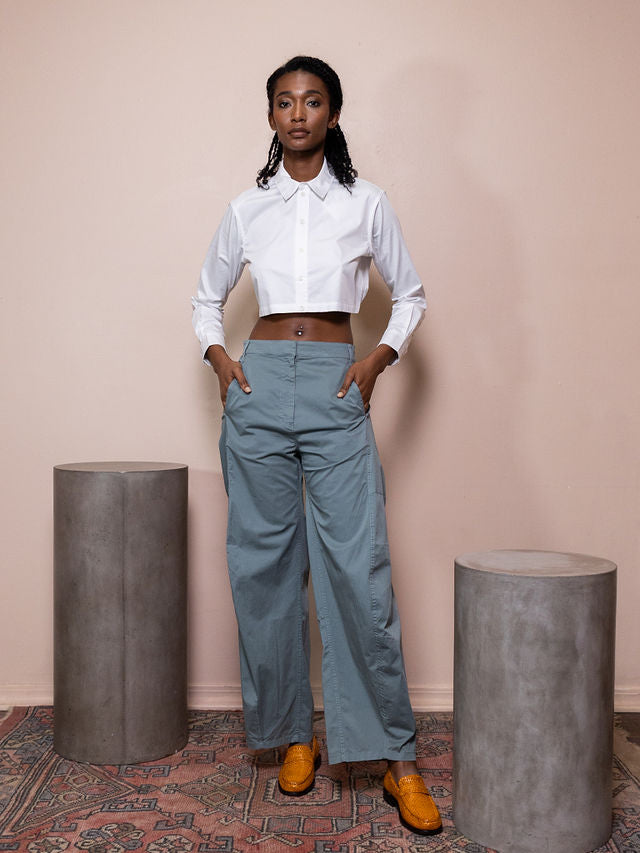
(247, 389)
(340, 393)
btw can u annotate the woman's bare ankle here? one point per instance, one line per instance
(403, 768)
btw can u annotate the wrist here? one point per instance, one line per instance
(216, 355)
(382, 356)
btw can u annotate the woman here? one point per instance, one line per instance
(296, 412)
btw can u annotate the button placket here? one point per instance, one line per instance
(301, 262)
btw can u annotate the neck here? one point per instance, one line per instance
(303, 166)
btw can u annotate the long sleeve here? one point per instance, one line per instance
(394, 264)
(220, 273)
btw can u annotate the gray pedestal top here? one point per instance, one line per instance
(535, 563)
(118, 467)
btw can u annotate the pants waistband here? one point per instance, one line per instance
(300, 349)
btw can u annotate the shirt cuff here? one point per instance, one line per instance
(210, 340)
(393, 338)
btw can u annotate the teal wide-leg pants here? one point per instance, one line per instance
(306, 489)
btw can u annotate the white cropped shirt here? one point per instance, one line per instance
(309, 247)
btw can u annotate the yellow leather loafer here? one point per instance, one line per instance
(417, 810)
(298, 773)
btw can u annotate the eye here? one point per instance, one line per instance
(313, 103)
(283, 104)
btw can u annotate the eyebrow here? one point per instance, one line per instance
(308, 92)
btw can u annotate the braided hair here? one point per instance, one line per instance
(335, 147)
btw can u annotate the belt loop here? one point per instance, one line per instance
(245, 347)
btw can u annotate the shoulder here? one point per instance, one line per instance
(253, 203)
(251, 195)
(367, 188)
(361, 195)
(360, 190)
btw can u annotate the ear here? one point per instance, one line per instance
(333, 121)
(272, 123)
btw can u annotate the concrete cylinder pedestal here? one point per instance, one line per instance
(533, 700)
(120, 632)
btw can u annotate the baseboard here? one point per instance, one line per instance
(436, 698)
(23, 695)
(219, 697)
(226, 697)
(627, 700)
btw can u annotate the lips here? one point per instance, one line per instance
(298, 131)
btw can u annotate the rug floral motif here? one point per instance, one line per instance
(215, 796)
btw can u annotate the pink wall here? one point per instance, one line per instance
(507, 136)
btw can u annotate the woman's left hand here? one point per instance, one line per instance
(365, 372)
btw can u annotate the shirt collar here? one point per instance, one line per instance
(319, 185)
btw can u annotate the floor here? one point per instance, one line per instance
(214, 796)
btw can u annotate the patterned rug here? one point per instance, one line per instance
(214, 795)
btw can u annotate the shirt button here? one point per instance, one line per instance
(302, 222)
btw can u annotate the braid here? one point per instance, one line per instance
(273, 161)
(337, 154)
(335, 150)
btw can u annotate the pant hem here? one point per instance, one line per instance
(339, 758)
(281, 740)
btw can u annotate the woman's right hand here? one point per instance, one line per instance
(226, 370)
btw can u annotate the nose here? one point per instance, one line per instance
(298, 113)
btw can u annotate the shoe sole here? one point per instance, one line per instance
(310, 787)
(391, 800)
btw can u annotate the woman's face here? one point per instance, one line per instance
(301, 112)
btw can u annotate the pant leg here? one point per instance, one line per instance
(267, 555)
(367, 708)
